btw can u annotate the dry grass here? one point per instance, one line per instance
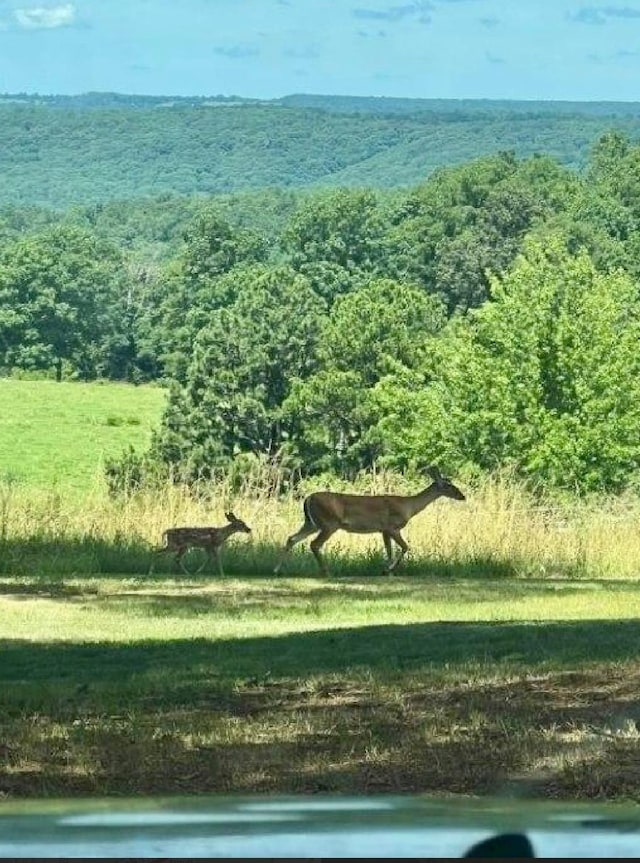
(500, 525)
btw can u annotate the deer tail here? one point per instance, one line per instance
(307, 513)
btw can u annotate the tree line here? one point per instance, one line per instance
(59, 155)
(485, 318)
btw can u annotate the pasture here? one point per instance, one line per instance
(502, 658)
(58, 434)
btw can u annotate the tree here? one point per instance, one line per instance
(243, 365)
(603, 213)
(334, 238)
(214, 247)
(58, 294)
(189, 288)
(467, 222)
(382, 323)
(545, 377)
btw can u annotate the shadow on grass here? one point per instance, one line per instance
(377, 649)
(453, 707)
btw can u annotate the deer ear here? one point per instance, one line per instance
(434, 473)
(229, 516)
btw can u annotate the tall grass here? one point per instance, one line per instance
(501, 528)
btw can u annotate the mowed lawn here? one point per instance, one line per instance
(58, 434)
(493, 685)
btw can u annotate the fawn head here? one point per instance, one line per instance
(237, 523)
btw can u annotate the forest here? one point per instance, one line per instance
(485, 318)
(58, 152)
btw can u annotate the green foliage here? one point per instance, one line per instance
(242, 367)
(465, 223)
(213, 247)
(120, 149)
(491, 390)
(58, 302)
(367, 332)
(545, 376)
(342, 230)
(15, 221)
(190, 288)
(311, 326)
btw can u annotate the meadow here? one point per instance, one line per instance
(502, 658)
(58, 435)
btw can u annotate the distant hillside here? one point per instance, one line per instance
(334, 104)
(461, 107)
(118, 100)
(60, 151)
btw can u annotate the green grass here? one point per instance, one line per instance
(120, 684)
(58, 434)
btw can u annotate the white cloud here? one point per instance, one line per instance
(46, 18)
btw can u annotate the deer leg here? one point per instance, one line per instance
(306, 530)
(316, 545)
(202, 565)
(216, 554)
(396, 536)
(178, 560)
(387, 547)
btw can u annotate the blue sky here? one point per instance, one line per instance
(517, 49)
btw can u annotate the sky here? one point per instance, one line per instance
(492, 49)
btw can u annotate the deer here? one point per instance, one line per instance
(325, 512)
(179, 539)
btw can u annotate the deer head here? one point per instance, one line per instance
(237, 522)
(444, 486)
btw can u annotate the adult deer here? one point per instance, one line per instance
(325, 512)
(211, 539)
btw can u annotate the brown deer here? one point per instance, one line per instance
(325, 512)
(211, 539)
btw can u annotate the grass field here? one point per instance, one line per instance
(118, 685)
(58, 434)
(503, 658)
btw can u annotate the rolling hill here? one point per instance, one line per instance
(62, 151)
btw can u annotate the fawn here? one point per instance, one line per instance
(179, 539)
